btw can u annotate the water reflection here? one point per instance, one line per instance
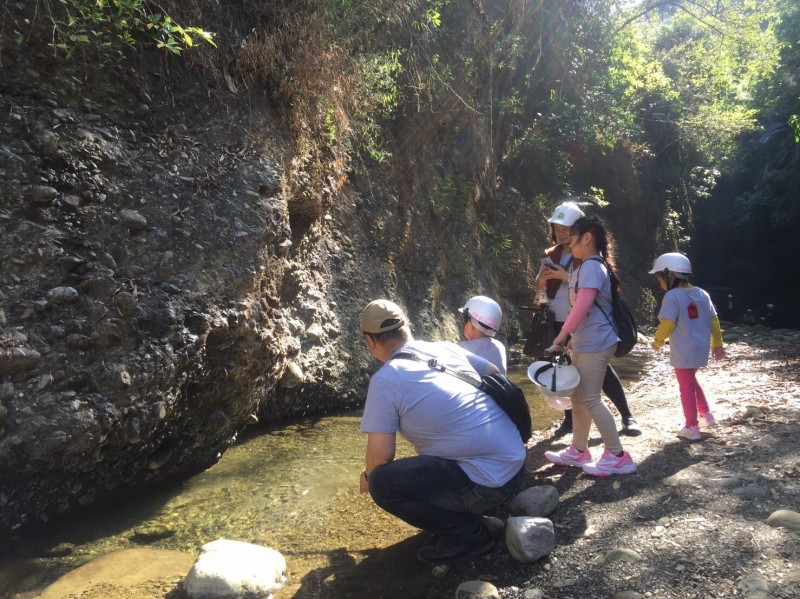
(293, 488)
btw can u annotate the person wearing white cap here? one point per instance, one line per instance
(470, 457)
(553, 279)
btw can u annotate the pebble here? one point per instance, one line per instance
(62, 295)
(133, 220)
(440, 571)
(785, 519)
(623, 555)
(477, 589)
(42, 195)
(754, 588)
(152, 531)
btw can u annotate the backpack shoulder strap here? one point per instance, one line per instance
(578, 272)
(603, 312)
(435, 365)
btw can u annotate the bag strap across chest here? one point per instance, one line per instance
(436, 365)
(599, 307)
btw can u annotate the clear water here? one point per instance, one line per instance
(293, 488)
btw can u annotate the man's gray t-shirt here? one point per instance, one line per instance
(595, 333)
(487, 348)
(443, 416)
(690, 342)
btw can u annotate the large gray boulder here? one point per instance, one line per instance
(535, 502)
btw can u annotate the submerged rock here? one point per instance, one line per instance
(125, 568)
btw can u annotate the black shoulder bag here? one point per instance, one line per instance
(541, 331)
(497, 386)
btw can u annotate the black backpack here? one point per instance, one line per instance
(623, 322)
(497, 386)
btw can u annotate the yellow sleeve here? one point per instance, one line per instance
(716, 333)
(664, 330)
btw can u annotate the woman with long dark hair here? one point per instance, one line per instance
(553, 281)
(593, 341)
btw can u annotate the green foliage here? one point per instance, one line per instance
(449, 199)
(702, 181)
(500, 244)
(597, 197)
(101, 22)
(378, 94)
(330, 125)
(713, 54)
(675, 230)
(794, 123)
(432, 15)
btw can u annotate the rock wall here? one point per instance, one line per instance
(173, 269)
(143, 248)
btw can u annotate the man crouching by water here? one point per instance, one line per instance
(470, 458)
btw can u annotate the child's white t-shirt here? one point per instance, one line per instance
(487, 348)
(690, 342)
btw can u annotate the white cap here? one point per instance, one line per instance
(566, 214)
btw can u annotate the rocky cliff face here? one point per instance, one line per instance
(163, 288)
(174, 269)
(143, 250)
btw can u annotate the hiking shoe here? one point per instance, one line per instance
(630, 427)
(569, 457)
(610, 464)
(450, 550)
(706, 420)
(692, 433)
(564, 429)
(495, 526)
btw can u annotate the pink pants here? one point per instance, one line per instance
(692, 397)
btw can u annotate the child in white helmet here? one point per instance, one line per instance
(690, 322)
(482, 317)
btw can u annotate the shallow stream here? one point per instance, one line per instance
(293, 488)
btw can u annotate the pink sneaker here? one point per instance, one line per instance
(706, 420)
(569, 457)
(692, 433)
(610, 464)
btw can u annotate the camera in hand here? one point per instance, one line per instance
(551, 266)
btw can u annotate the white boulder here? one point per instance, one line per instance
(233, 569)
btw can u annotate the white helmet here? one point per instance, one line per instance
(675, 263)
(566, 214)
(555, 381)
(485, 314)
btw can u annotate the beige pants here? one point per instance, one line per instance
(587, 404)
